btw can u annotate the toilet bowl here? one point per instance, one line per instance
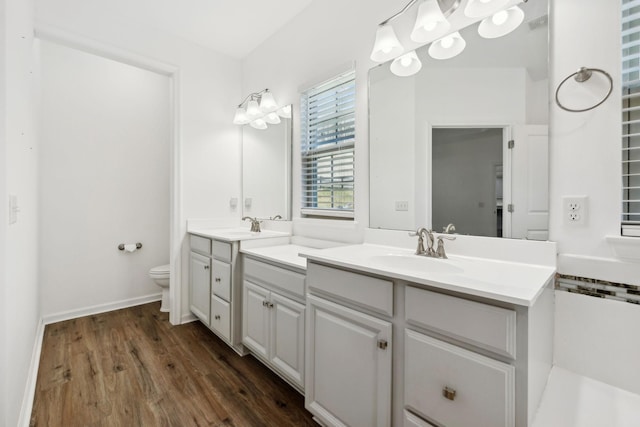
(161, 275)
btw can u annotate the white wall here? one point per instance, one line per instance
(104, 179)
(19, 254)
(209, 149)
(585, 148)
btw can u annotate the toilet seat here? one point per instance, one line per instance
(160, 271)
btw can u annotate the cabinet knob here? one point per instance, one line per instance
(217, 317)
(449, 393)
(206, 267)
(383, 344)
(218, 279)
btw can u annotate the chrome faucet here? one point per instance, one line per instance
(423, 233)
(255, 224)
(449, 229)
(275, 217)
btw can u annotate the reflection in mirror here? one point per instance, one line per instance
(440, 149)
(266, 171)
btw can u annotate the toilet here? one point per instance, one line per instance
(161, 275)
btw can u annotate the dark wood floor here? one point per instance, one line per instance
(131, 367)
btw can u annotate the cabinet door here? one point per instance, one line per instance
(457, 387)
(200, 286)
(221, 279)
(348, 366)
(287, 337)
(255, 318)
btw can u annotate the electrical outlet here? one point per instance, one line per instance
(402, 206)
(574, 210)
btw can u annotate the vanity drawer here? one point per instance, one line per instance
(221, 250)
(456, 387)
(201, 245)
(221, 317)
(369, 292)
(221, 279)
(486, 326)
(281, 278)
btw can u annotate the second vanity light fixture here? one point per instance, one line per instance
(260, 109)
(433, 26)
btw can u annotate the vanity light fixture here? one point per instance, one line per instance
(258, 109)
(432, 26)
(481, 8)
(406, 65)
(447, 47)
(501, 23)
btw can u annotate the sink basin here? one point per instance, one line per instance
(416, 263)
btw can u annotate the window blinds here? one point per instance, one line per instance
(328, 147)
(631, 117)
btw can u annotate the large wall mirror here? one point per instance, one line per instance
(266, 170)
(441, 147)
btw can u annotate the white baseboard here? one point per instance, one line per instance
(188, 318)
(30, 388)
(101, 308)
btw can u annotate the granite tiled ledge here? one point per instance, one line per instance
(598, 288)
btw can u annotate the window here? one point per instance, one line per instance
(630, 117)
(328, 147)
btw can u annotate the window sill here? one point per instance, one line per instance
(625, 247)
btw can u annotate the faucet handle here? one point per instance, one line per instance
(440, 237)
(440, 252)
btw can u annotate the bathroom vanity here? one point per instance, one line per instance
(397, 339)
(215, 280)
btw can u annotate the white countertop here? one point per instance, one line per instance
(282, 254)
(235, 234)
(511, 282)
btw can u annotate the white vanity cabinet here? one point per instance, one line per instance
(273, 317)
(214, 297)
(458, 360)
(200, 278)
(349, 348)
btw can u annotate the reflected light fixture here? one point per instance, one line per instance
(499, 17)
(260, 108)
(501, 23)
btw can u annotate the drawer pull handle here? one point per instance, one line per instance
(383, 344)
(217, 317)
(206, 267)
(449, 393)
(270, 305)
(267, 304)
(218, 279)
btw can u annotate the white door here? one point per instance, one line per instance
(348, 366)
(287, 337)
(255, 318)
(200, 286)
(530, 182)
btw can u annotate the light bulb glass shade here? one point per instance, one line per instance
(406, 65)
(241, 117)
(387, 45)
(253, 110)
(447, 47)
(258, 124)
(482, 8)
(285, 112)
(430, 22)
(268, 103)
(507, 21)
(272, 118)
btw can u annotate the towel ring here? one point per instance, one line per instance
(581, 76)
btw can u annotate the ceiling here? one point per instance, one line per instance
(234, 28)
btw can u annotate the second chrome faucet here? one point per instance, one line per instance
(423, 234)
